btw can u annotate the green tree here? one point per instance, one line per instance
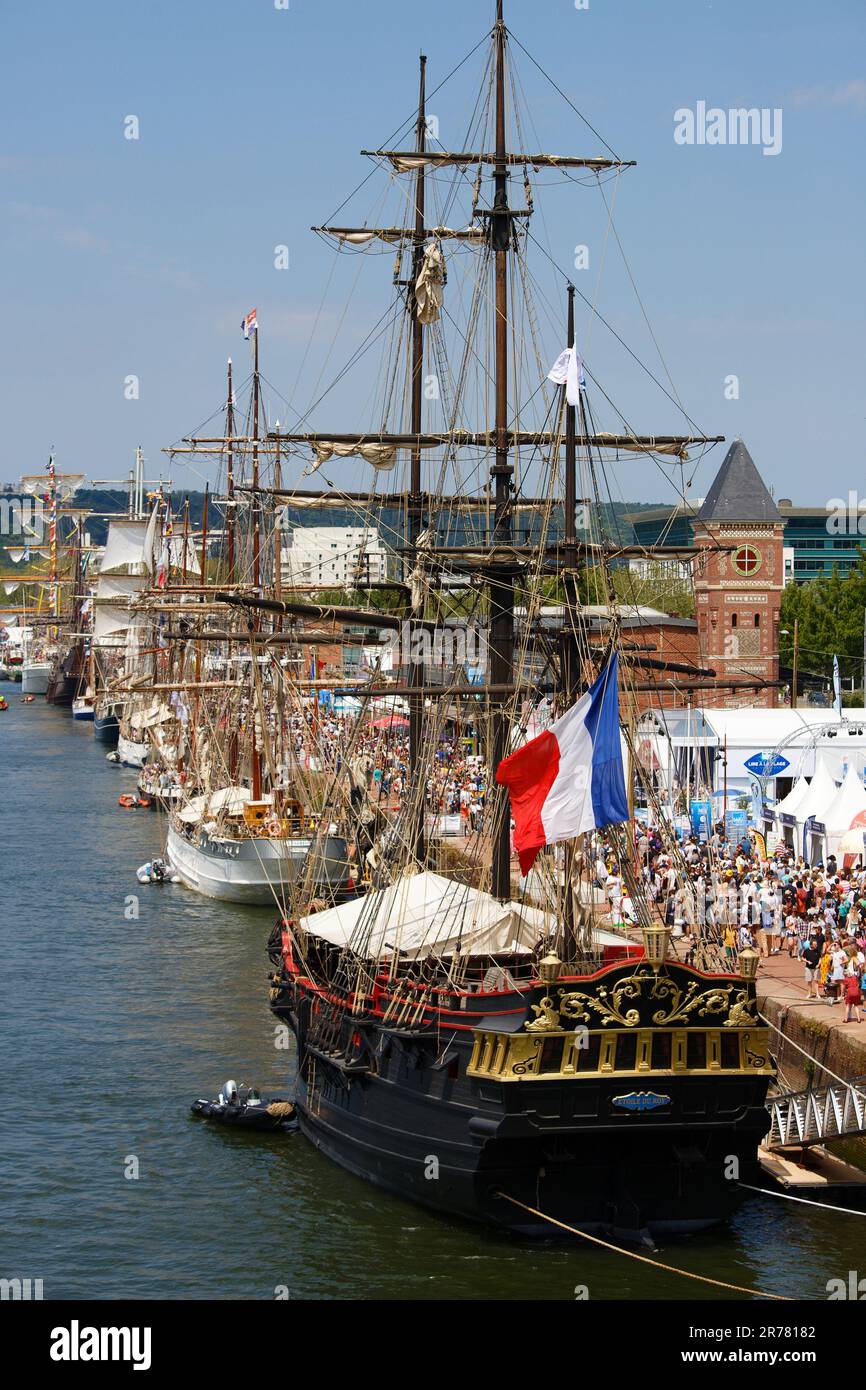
(830, 614)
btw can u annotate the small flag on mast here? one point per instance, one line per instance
(250, 323)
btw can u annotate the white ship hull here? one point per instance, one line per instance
(236, 871)
(35, 676)
(132, 754)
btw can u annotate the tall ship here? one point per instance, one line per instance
(53, 645)
(470, 1033)
(198, 688)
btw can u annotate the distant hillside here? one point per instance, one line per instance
(107, 502)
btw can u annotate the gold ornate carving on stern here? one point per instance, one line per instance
(547, 1017)
(678, 1004)
(740, 1015)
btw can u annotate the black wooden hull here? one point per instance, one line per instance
(457, 1144)
(628, 1102)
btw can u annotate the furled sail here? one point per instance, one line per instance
(429, 284)
(362, 236)
(380, 455)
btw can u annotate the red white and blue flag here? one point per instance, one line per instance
(569, 779)
(250, 323)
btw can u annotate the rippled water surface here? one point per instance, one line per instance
(110, 1027)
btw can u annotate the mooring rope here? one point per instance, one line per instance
(807, 1201)
(645, 1259)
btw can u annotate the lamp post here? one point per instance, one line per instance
(786, 632)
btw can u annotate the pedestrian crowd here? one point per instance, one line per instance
(744, 897)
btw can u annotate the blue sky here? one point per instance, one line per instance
(141, 257)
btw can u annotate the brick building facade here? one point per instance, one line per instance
(738, 580)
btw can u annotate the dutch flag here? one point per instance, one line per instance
(569, 779)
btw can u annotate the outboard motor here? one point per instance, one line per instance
(230, 1091)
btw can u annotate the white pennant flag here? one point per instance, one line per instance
(568, 370)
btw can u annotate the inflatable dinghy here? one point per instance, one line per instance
(244, 1108)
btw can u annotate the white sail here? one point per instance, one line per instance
(125, 547)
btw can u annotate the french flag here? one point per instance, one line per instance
(569, 779)
(250, 324)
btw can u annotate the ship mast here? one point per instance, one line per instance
(568, 652)
(52, 532)
(230, 478)
(415, 835)
(255, 619)
(501, 581)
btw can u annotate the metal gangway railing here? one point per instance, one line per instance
(814, 1116)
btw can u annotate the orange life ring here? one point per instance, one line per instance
(272, 826)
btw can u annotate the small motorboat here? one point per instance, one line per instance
(130, 802)
(156, 871)
(244, 1108)
(4, 703)
(28, 699)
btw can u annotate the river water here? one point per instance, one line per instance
(110, 1026)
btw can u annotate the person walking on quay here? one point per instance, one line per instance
(852, 995)
(811, 961)
(838, 970)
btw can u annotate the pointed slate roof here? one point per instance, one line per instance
(738, 492)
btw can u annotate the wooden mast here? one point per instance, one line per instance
(230, 543)
(230, 479)
(501, 585)
(415, 833)
(568, 653)
(257, 576)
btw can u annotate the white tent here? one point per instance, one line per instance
(790, 804)
(822, 794)
(426, 913)
(850, 802)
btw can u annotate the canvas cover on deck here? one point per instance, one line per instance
(427, 914)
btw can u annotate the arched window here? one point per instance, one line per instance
(733, 620)
(757, 620)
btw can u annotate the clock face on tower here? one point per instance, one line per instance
(746, 559)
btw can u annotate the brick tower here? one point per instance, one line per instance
(738, 591)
